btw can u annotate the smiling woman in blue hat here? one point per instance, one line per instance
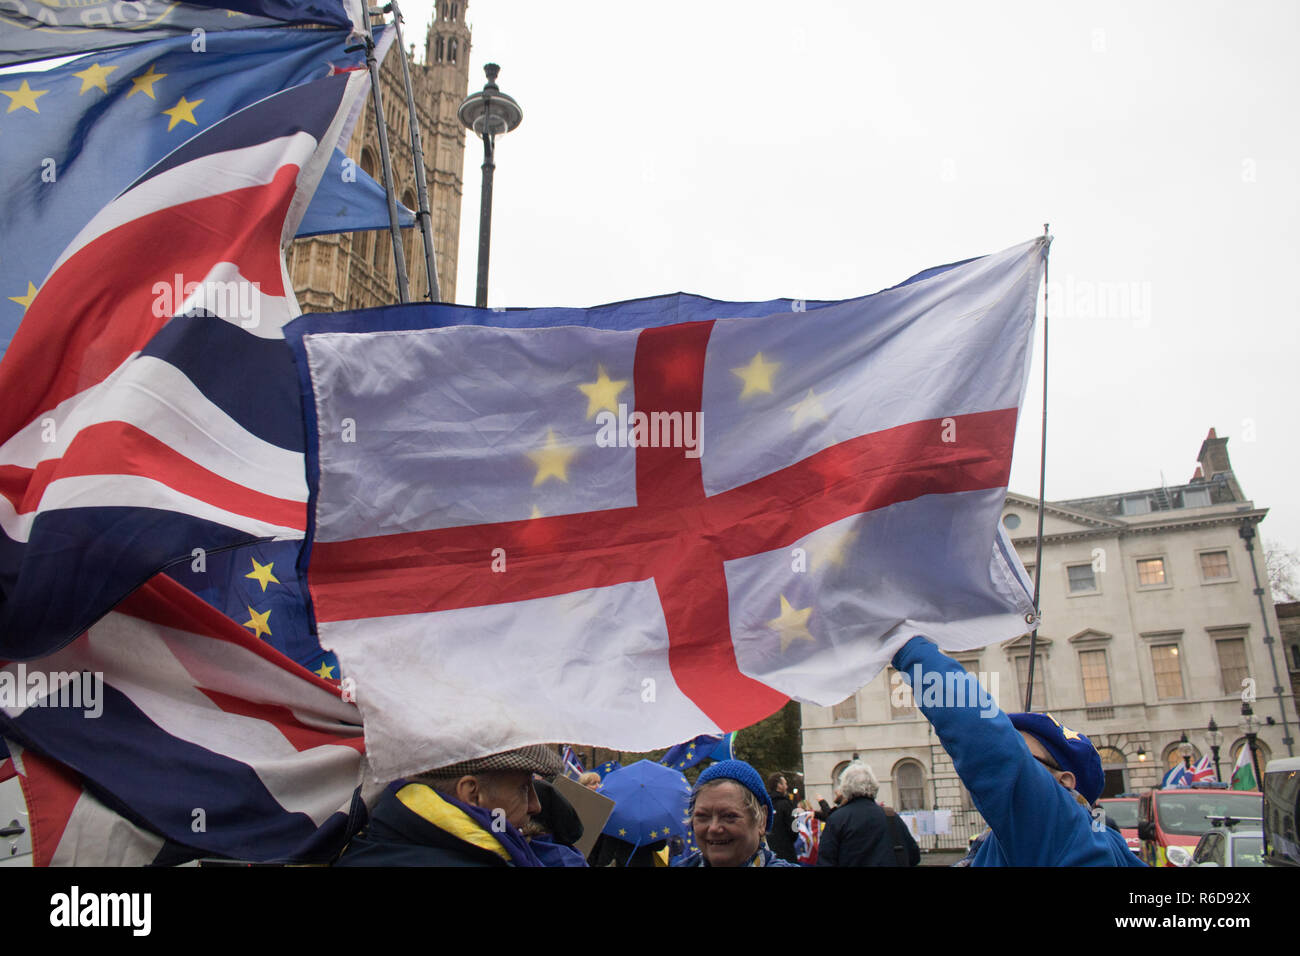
(730, 813)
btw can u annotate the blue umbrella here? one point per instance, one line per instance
(650, 803)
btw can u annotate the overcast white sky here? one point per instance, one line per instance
(820, 150)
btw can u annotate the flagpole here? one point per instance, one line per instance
(417, 151)
(1042, 489)
(403, 287)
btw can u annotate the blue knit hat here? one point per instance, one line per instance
(1070, 749)
(743, 774)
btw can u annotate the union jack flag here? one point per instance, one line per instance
(1176, 777)
(1203, 770)
(155, 429)
(166, 422)
(572, 765)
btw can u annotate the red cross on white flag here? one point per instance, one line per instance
(630, 537)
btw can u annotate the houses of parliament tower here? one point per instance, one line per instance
(355, 270)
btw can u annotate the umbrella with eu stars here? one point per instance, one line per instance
(650, 803)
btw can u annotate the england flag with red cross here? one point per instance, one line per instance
(629, 525)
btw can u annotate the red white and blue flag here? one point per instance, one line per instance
(807, 836)
(39, 31)
(161, 423)
(168, 732)
(1203, 770)
(572, 765)
(631, 525)
(1177, 776)
(148, 408)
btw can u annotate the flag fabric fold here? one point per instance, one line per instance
(572, 765)
(1203, 770)
(132, 446)
(1243, 771)
(701, 748)
(631, 525)
(1176, 777)
(167, 732)
(82, 132)
(38, 31)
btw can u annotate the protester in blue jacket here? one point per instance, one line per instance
(1032, 779)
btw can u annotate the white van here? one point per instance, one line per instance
(1282, 812)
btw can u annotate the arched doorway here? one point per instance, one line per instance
(1115, 767)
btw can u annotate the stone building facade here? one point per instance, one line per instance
(1152, 621)
(1288, 620)
(356, 270)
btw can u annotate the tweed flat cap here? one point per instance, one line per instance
(537, 758)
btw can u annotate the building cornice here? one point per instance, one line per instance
(1067, 513)
(1040, 643)
(1090, 636)
(1254, 515)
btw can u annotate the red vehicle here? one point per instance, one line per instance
(1123, 811)
(1170, 822)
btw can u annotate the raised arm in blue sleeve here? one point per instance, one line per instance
(1035, 821)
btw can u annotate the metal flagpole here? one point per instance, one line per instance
(403, 287)
(423, 216)
(1042, 488)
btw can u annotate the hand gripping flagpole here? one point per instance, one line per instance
(403, 287)
(417, 152)
(1042, 488)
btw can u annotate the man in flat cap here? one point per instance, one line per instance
(1033, 779)
(466, 814)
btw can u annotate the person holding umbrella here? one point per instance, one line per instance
(649, 807)
(730, 811)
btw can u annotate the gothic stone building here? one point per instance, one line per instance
(1152, 621)
(356, 270)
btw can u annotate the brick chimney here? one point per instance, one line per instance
(1213, 458)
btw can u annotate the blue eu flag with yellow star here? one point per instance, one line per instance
(703, 747)
(257, 585)
(75, 136)
(50, 29)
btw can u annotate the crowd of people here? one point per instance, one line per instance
(1033, 780)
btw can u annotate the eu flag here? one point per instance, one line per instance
(74, 137)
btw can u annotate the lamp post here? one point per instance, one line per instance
(1215, 737)
(488, 113)
(1250, 724)
(1185, 748)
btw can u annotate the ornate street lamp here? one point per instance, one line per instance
(488, 113)
(1185, 748)
(1215, 737)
